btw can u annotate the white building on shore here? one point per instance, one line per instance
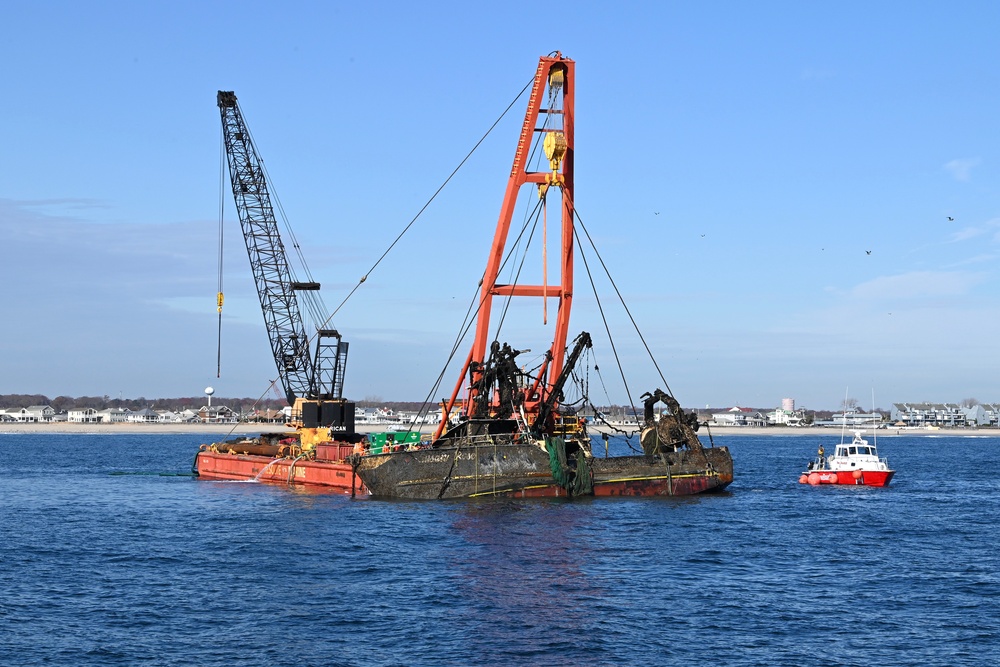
(83, 416)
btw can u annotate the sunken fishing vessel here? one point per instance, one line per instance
(510, 431)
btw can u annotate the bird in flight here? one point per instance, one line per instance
(868, 252)
(951, 219)
(656, 212)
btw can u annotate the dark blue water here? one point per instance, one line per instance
(111, 556)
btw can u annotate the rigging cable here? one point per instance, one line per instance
(600, 416)
(534, 215)
(604, 319)
(470, 317)
(406, 228)
(312, 299)
(467, 324)
(622, 300)
(222, 206)
(433, 196)
(534, 157)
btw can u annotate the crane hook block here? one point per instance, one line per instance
(557, 75)
(220, 299)
(555, 146)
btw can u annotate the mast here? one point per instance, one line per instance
(548, 124)
(302, 375)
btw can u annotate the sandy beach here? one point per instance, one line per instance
(240, 429)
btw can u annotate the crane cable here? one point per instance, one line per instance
(313, 299)
(424, 207)
(219, 298)
(515, 270)
(478, 299)
(621, 299)
(533, 157)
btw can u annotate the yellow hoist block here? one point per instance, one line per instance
(220, 299)
(555, 147)
(557, 75)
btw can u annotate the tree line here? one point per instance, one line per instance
(66, 403)
(240, 405)
(246, 405)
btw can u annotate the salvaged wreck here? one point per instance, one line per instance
(508, 431)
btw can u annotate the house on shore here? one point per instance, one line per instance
(84, 416)
(217, 414)
(949, 415)
(114, 415)
(31, 414)
(737, 416)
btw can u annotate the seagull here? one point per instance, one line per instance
(702, 236)
(656, 212)
(951, 219)
(868, 252)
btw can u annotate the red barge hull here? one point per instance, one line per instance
(328, 471)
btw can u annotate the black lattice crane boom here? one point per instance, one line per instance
(308, 379)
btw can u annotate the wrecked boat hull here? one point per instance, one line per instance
(523, 471)
(675, 474)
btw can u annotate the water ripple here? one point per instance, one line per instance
(151, 567)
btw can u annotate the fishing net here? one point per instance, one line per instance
(577, 478)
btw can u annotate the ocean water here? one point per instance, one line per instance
(111, 554)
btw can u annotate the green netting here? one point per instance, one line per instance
(577, 480)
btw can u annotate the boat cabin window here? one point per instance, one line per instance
(852, 450)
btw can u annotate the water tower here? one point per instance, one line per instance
(208, 392)
(788, 404)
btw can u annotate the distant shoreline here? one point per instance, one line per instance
(249, 429)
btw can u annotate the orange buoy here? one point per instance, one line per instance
(803, 479)
(856, 474)
(834, 479)
(813, 478)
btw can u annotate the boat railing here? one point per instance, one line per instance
(484, 440)
(817, 463)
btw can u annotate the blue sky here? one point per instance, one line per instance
(735, 163)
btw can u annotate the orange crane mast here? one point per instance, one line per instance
(554, 75)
